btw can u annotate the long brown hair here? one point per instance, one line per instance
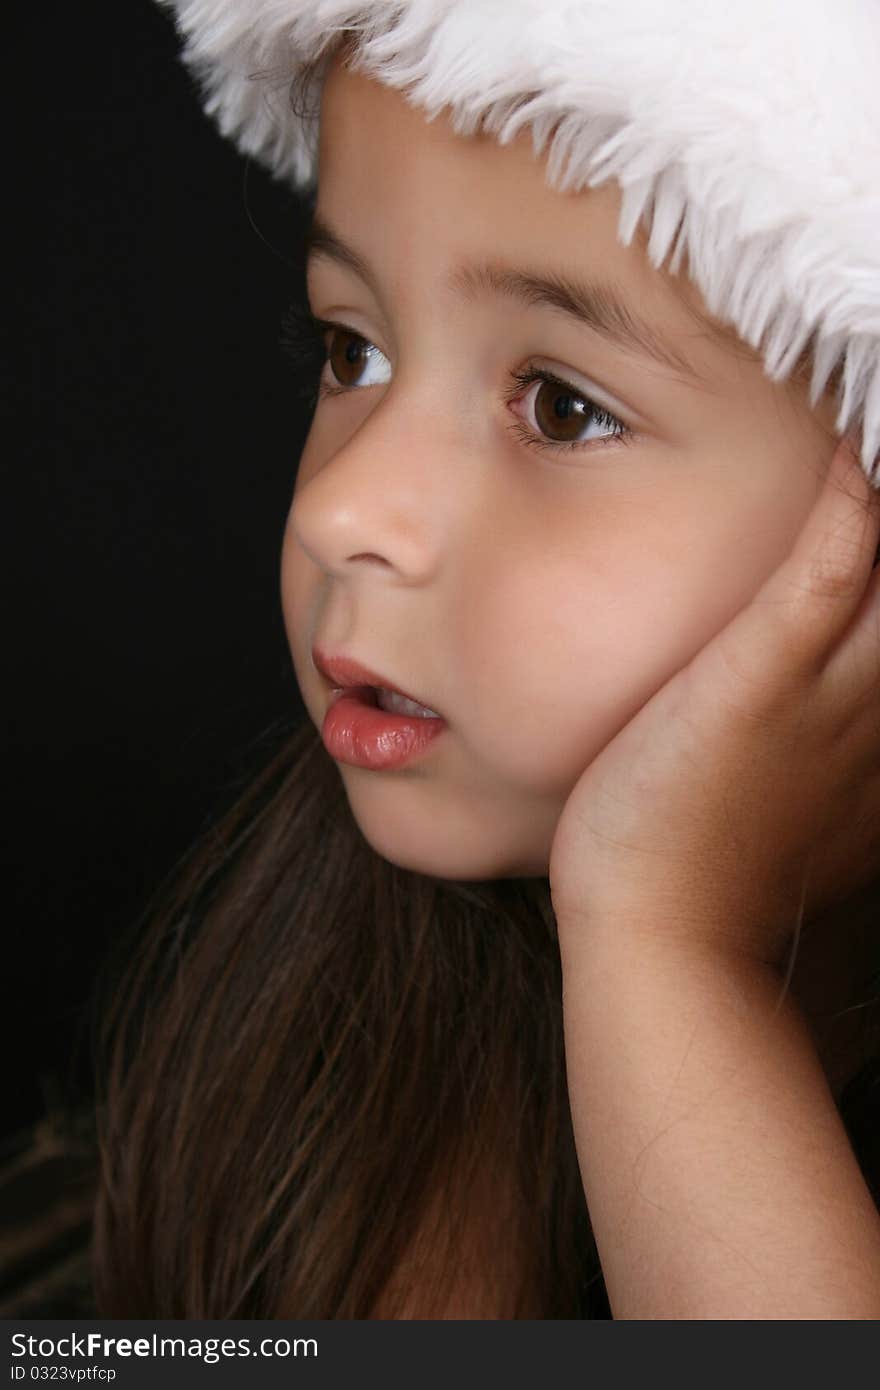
(317, 1056)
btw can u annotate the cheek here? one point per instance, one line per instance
(299, 580)
(300, 576)
(556, 652)
(562, 653)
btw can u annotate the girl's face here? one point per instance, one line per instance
(441, 532)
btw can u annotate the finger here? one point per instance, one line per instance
(810, 601)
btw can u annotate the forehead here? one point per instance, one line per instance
(425, 199)
(429, 199)
(387, 169)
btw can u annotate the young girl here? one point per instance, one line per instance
(534, 978)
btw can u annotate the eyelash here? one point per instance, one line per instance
(302, 342)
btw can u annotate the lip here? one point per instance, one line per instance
(344, 673)
(357, 732)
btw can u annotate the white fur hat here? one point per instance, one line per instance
(746, 132)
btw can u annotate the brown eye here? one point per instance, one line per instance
(560, 414)
(348, 355)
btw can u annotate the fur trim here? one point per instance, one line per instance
(744, 132)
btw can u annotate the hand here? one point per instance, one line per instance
(746, 792)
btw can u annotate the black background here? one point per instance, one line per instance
(151, 460)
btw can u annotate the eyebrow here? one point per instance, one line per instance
(590, 304)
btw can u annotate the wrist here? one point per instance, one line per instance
(682, 924)
(662, 956)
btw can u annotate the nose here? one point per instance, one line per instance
(386, 497)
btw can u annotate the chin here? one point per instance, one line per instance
(444, 851)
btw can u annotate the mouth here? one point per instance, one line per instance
(349, 677)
